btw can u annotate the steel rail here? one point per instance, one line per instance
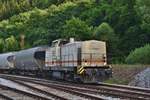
(40, 90)
(24, 92)
(103, 91)
(63, 89)
(122, 87)
(6, 97)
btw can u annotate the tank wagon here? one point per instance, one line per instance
(84, 61)
(30, 60)
(78, 60)
(6, 62)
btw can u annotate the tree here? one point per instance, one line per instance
(9, 8)
(1, 45)
(11, 44)
(104, 32)
(143, 9)
(77, 28)
(97, 1)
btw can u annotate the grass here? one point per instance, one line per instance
(123, 74)
(117, 81)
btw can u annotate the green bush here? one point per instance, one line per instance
(139, 55)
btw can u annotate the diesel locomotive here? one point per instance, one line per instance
(81, 61)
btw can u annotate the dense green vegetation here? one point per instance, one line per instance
(9, 44)
(9, 8)
(139, 55)
(123, 24)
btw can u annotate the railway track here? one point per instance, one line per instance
(95, 90)
(60, 92)
(75, 94)
(5, 97)
(10, 93)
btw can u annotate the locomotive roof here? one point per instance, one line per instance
(6, 54)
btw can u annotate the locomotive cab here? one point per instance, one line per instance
(58, 42)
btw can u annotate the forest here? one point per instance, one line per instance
(123, 24)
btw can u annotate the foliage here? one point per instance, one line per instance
(9, 8)
(8, 44)
(78, 29)
(11, 44)
(1, 45)
(104, 32)
(139, 55)
(143, 10)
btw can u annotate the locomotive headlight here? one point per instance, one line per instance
(85, 63)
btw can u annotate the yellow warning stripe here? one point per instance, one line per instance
(80, 70)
